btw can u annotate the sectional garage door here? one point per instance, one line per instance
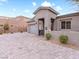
(33, 29)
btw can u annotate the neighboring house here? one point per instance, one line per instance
(17, 24)
(46, 18)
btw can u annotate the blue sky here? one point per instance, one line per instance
(14, 8)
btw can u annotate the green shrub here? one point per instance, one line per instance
(48, 36)
(63, 39)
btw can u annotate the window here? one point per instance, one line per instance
(65, 24)
(68, 24)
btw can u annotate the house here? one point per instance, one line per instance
(16, 24)
(47, 19)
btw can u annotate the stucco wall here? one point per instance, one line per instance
(74, 23)
(72, 35)
(47, 15)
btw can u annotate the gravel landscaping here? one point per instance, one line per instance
(30, 46)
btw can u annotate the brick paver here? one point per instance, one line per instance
(28, 46)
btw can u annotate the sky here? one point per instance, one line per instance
(13, 8)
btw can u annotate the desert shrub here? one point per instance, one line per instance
(1, 33)
(63, 39)
(6, 27)
(21, 31)
(48, 36)
(11, 32)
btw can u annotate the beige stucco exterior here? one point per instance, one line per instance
(74, 23)
(48, 13)
(22, 24)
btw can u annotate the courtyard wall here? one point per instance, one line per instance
(73, 36)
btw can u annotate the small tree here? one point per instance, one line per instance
(6, 27)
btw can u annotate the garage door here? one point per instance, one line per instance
(33, 29)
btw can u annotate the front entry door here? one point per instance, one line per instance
(41, 26)
(52, 24)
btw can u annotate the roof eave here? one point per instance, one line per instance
(55, 12)
(69, 15)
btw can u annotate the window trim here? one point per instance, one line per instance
(65, 26)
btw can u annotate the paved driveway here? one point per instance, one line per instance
(29, 46)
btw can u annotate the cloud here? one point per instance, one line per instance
(34, 4)
(3, 0)
(53, 5)
(58, 8)
(1, 3)
(26, 11)
(14, 10)
(46, 4)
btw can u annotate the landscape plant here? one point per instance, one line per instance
(1, 33)
(63, 39)
(48, 36)
(6, 27)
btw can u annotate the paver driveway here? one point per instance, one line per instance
(29, 46)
